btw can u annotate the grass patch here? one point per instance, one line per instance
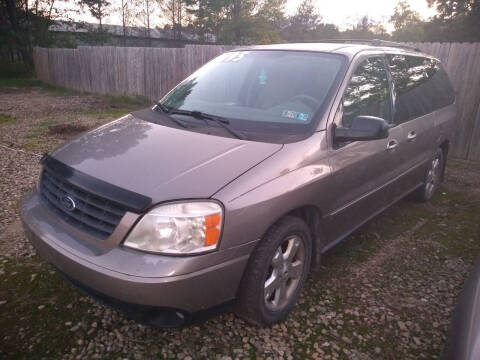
(14, 70)
(456, 229)
(6, 119)
(119, 102)
(31, 82)
(39, 311)
(105, 113)
(23, 82)
(459, 164)
(36, 139)
(126, 101)
(46, 124)
(37, 144)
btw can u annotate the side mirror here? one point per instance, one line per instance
(363, 128)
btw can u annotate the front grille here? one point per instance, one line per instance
(91, 213)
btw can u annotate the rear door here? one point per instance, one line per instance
(363, 172)
(419, 91)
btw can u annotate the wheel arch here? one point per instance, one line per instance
(312, 216)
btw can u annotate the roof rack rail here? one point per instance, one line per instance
(373, 42)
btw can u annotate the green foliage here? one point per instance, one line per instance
(24, 25)
(404, 16)
(453, 9)
(39, 301)
(6, 119)
(20, 82)
(244, 22)
(14, 70)
(302, 25)
(407, 23)
(97, 8)
(457, 20)
(237, 22)
(121, 101)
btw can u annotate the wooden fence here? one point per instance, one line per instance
(152, 72)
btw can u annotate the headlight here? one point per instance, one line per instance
(178, 228)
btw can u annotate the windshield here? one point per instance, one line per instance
(260, 89)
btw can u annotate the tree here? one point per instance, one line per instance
(237, 25)
(145, 12)
(452, 9)
(303, 23)
(457, 20)
(24, 25)
(14, 19)
(97, 8)
(207, 17)
(268, 21)
(127, 14)
(175, 12)
(407, 23)
(404, 16)
(366, 28)
(231, 21)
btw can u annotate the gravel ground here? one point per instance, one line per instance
(386, 292)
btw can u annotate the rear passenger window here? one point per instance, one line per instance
(368, 92)
(421, 86)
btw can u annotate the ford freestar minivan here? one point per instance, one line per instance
(235, 183)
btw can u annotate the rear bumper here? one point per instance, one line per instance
(94, 270)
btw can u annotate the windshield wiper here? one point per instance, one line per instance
(223, 122)
(160, 107)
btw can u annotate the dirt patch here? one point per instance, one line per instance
(386, 253)
(12, 243)
(67, 129)
(463, 175)
(44, 118)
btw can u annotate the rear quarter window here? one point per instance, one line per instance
(421, 86)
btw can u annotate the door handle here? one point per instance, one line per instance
(412, 135)
(392, 145)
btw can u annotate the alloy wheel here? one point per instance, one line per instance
(284, 274)
(433, 176)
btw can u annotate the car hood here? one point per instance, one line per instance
(161, 162)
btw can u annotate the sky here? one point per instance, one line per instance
(346, 12)
(342, 13)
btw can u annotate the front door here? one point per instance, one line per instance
(364, 172)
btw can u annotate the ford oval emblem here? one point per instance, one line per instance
(68, 203)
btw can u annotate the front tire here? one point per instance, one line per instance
(276, 273)
(432, 178)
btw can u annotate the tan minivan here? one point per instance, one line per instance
(231, 187)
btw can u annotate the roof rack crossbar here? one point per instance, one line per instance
(373, 42)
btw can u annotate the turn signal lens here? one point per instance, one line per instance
(212, 229)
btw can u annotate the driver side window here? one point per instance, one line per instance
(368, 92)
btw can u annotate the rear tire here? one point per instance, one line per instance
(432, 178)
(276, 273)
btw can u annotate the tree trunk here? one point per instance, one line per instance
(237, 12)
(148, 23)
(124, 23)
(179, 19)
(19, 37)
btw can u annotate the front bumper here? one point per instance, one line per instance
(187, 284)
